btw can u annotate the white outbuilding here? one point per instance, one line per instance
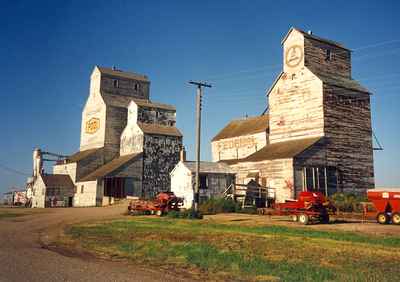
(215, 178)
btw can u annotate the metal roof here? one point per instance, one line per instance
(312, 36)
(123, 101)
(280, 150)
(339, 81)
(342, 82)
(124, 74)
(242, 127)
(209, 167)
(82, 155)
(110, 167)
(152, 128)
(57, 180)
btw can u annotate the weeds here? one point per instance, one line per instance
(232, 252)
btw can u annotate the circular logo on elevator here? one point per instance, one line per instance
(92, 125)
(293, 56)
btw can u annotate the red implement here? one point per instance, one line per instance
(308, 206)
(164, 202)
(387, 204)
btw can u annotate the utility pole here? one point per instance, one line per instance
(199, 95)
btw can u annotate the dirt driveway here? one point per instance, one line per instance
(25, 256)
(337, 224)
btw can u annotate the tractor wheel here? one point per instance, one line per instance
(159, 213)
(303, 219)
(325, 218)
(396, 218)
(382, 218)
(295, 218)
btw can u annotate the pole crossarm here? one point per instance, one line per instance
(200, 84)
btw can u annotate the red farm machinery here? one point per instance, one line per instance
(163, 203)
(387, 205)
(309, 206)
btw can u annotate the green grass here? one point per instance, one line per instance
(232, 252)
(9, 213)
(4, 215)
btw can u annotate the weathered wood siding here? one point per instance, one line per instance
(278, 174)
(349, 133)
(238, 147)
(317, 60)
(156, 116)
(68, 169)
(115, 123)
(86, 194)
(39, 193)
(160, 155)
(296, 107)
(94, 113)
(182, 184)
(125, 87)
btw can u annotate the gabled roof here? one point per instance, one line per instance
(123, 101)
(82, 155)
(312, 36)
(280, 150)
(342, 82)
(242, 127)
(151, 128)
(109, 167)
(124, 74)
(338, 81)
(208, 167)
(57, 180)
(273, 84)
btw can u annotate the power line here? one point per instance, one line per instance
(217, 77)
(9, 169)
(272, 66)
(381, 54)
(376, 45)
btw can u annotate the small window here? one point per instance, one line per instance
(329, 55)
(136, 86)
(116, 83)
(203, 182)
(82, 189)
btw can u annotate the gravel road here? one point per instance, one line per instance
(25, 257)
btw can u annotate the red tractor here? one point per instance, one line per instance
(309, 206)
(387, 205)
(163, 203)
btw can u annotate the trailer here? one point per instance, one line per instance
(163, 203)
(308, 207)
(387, 205)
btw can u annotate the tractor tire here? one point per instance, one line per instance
(396, 218)
(382, 218)
(324, 218)
(159, 213)
(295, 217)
(304, 219)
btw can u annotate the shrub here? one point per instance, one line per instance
(188, 214)
(348, 202)
(219, 205)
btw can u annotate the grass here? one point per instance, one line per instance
(231, 252)
(4, 215)
(9, 213)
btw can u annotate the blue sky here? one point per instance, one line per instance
(48, 50)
